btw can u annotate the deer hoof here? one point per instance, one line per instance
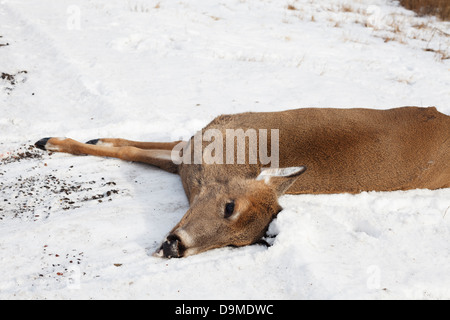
(42, 143)
(94, 141)
(101, 142)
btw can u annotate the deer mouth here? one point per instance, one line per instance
(172, 247)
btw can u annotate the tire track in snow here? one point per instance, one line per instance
(51, 74)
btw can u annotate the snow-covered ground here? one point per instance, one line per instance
(157, 70)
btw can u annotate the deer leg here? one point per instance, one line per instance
(116, 142)
(160, 158)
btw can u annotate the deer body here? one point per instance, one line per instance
(354, 150)
(345, 150)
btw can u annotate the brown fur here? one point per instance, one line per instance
(353, 150)
(345, 150)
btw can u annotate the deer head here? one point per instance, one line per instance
(236, 213)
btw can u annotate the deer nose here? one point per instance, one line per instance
(172, 247)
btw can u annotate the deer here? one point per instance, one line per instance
(320, 151)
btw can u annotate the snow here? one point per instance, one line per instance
(85, 227)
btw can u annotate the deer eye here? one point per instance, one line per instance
(229, 209)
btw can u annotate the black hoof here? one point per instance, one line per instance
(41, 143)
(94, 142)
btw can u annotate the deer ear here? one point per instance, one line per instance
(280, 179)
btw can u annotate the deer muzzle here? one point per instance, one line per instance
(172, 247)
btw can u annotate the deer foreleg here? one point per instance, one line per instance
(156, 157)
(117, 142)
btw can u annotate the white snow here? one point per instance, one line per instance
(157, 70)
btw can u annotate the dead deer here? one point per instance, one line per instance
(345, 151)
